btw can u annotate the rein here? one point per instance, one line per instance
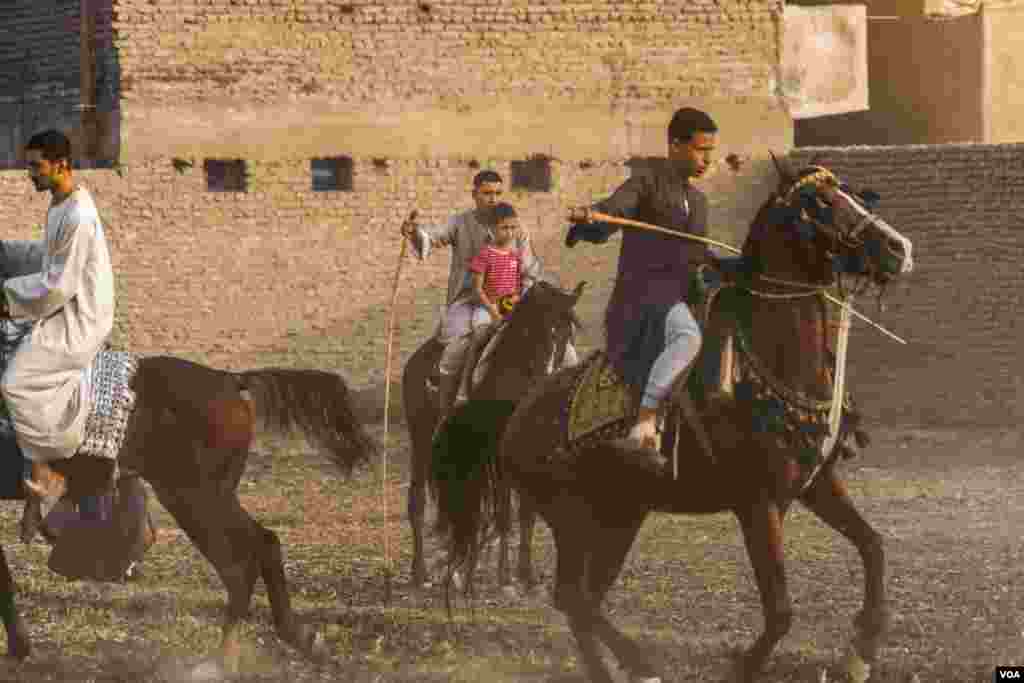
(806, 423)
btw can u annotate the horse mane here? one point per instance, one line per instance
(773, 214)
(528, 333)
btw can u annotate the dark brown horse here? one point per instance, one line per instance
(595, 498)
(189, 437)
(538, 330)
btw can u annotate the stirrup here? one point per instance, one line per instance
(645, 432)
(648, 458)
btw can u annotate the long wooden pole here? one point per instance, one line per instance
(630, 223)
(387, 412)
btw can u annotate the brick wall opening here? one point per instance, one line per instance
(225, 175)
(331, 174)
(532, 175)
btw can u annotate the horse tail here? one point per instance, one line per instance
(465, 479)
(316, 403)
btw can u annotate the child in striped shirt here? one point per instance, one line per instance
(496, 270)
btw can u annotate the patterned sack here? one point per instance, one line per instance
(112, 402)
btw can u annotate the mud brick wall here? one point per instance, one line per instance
(40, 69)
(962, 205)
(434, 50)
(420, 95)
(285, 275)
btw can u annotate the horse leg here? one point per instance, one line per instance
(226, 536)
(762, 534)
(18, 643)
(828, 499)
(416, 510)
(571, 531)
(606, 563)
(527, 521)
(503, 519)
(301, 636)
(503, 554)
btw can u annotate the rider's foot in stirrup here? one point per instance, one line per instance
(43, 482)
(645, 441)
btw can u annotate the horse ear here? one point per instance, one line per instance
(786, 175)
(578, 292)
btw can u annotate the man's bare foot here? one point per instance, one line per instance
(45, 482)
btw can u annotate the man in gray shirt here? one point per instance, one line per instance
(466, 233)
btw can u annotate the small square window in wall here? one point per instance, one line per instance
(225, 175)
(331, 174)
(532, 175)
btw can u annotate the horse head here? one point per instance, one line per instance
(812, 233)
(816, 227)
(536, 332)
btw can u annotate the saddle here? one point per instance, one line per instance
(112, 402)
(602, 407)
(477, 358)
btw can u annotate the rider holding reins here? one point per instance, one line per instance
(652, 336)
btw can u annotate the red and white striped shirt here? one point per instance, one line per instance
(501, 271)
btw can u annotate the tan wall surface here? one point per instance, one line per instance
(1005, 29)
(466, 78)
(925, 87)
(961, 310)
(824, 65)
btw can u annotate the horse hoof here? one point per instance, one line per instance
(510, 592)
(742, 671)
(18, 644)
(19, 648)
(318, 650)
(856, 669)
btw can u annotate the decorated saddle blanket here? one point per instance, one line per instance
(601, 405)
(112, 402)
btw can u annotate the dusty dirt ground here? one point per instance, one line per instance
(948, 504)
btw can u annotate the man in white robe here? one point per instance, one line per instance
(64, 285)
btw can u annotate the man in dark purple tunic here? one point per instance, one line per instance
(652, 336)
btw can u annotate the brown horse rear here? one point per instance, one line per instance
(189, 437)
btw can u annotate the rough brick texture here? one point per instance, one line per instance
(283, 272)
(40, 68)
(961, 205)
(233, 277)
(356, 51)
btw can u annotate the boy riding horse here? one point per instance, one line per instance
(652, 336)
